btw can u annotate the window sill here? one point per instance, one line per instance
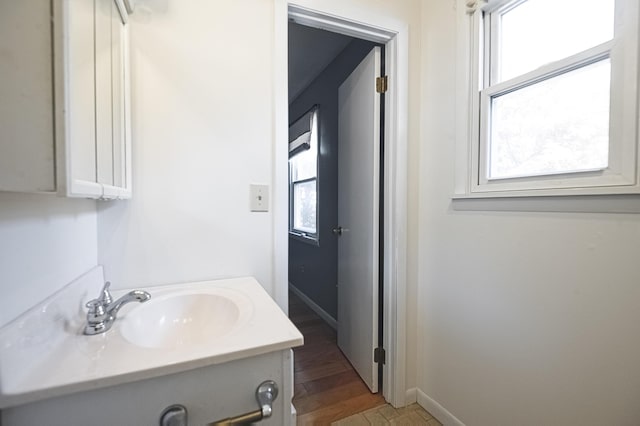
(569, 203)
(304, 239)
(549, 192)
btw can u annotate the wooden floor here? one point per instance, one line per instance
(326, 386)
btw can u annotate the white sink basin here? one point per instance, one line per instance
(44, 354)
(174, 321)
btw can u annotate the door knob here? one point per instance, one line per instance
(339, 230)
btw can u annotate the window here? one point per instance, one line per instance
(303, 176)
(553, 97)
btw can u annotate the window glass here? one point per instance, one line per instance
(304, 206)
(559, 125)
(303, 180)
(537, 32)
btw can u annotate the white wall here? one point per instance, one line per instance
(45, 242)
(202, 126)
(524, 318)
(513, 318)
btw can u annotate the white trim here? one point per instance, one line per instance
(437, 410)
(395, 221)
(553, 69)
(294, 415)
(280, 158)
(316, 19)
(568, 204)
(60, 11)
(411, 396)
(382, 29)
(621, 177)
(127, 190)
(315, 307)
(289, 386)
(79, 188)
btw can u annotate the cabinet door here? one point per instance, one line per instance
(98, 163)
(80, 118)
(64, 121)
(114, 157)
(26, 97)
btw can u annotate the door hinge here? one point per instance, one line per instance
(381, 84)
(379, 355)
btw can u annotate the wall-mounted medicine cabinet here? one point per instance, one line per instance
(64, 98)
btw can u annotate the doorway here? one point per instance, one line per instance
(334, 216)
(378, 27)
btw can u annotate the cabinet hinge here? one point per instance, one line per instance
(381, 84)
(379, 355)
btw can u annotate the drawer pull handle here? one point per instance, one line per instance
(266, 393)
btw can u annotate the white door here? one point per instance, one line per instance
(358, 204)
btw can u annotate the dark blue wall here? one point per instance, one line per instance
(313, 269)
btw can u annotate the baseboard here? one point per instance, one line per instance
(292, 419)
(314, 307)
(411, 396)
(436, 410)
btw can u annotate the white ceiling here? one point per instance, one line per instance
(310, 51)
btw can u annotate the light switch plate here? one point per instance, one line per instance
(259, 198)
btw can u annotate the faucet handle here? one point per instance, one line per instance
(96, 307)
(96, 318)
(105, 294)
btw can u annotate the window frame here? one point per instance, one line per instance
(302, 235)
(476, 22)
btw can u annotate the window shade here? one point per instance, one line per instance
(300, 133)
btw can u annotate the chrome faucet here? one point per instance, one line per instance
(102, 311)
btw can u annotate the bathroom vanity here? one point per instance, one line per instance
(205, 346)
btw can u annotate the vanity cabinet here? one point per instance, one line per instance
(209, 356)
(209, 394)
(64, 98)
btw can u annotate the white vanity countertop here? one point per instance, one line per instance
(40, 358)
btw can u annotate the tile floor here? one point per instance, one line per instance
(413, 415)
